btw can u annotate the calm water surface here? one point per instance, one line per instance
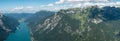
(22, 34)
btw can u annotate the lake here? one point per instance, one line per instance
(21, 34)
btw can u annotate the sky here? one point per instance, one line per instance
(32, 6)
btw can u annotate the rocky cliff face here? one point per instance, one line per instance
(79, 24)
(7, 25)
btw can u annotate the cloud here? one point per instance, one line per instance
(88, 0)
(63, 4)
(50, 5)
(74, 3)
(60, 2)
(22, 9)
(17, 8)
(29, 8)
(85, 3)
(116, 4)
(79, 1)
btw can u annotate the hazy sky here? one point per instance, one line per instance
(17, 6)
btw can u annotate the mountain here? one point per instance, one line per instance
(78, 24)
(7, 26)
(18, 16)
(38, 16)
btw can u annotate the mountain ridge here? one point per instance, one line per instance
(79, 24)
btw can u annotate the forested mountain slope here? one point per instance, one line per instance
(79, 24)
(7, 26)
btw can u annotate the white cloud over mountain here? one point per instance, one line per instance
(63, 4)
(22, 9)
(84, 3)
(79, 1)
(99, 4)
(17, 9)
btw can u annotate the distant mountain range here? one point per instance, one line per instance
(76, 24)
(19, 15)
(38, 16)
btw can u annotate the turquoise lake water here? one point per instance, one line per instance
(22, 34)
